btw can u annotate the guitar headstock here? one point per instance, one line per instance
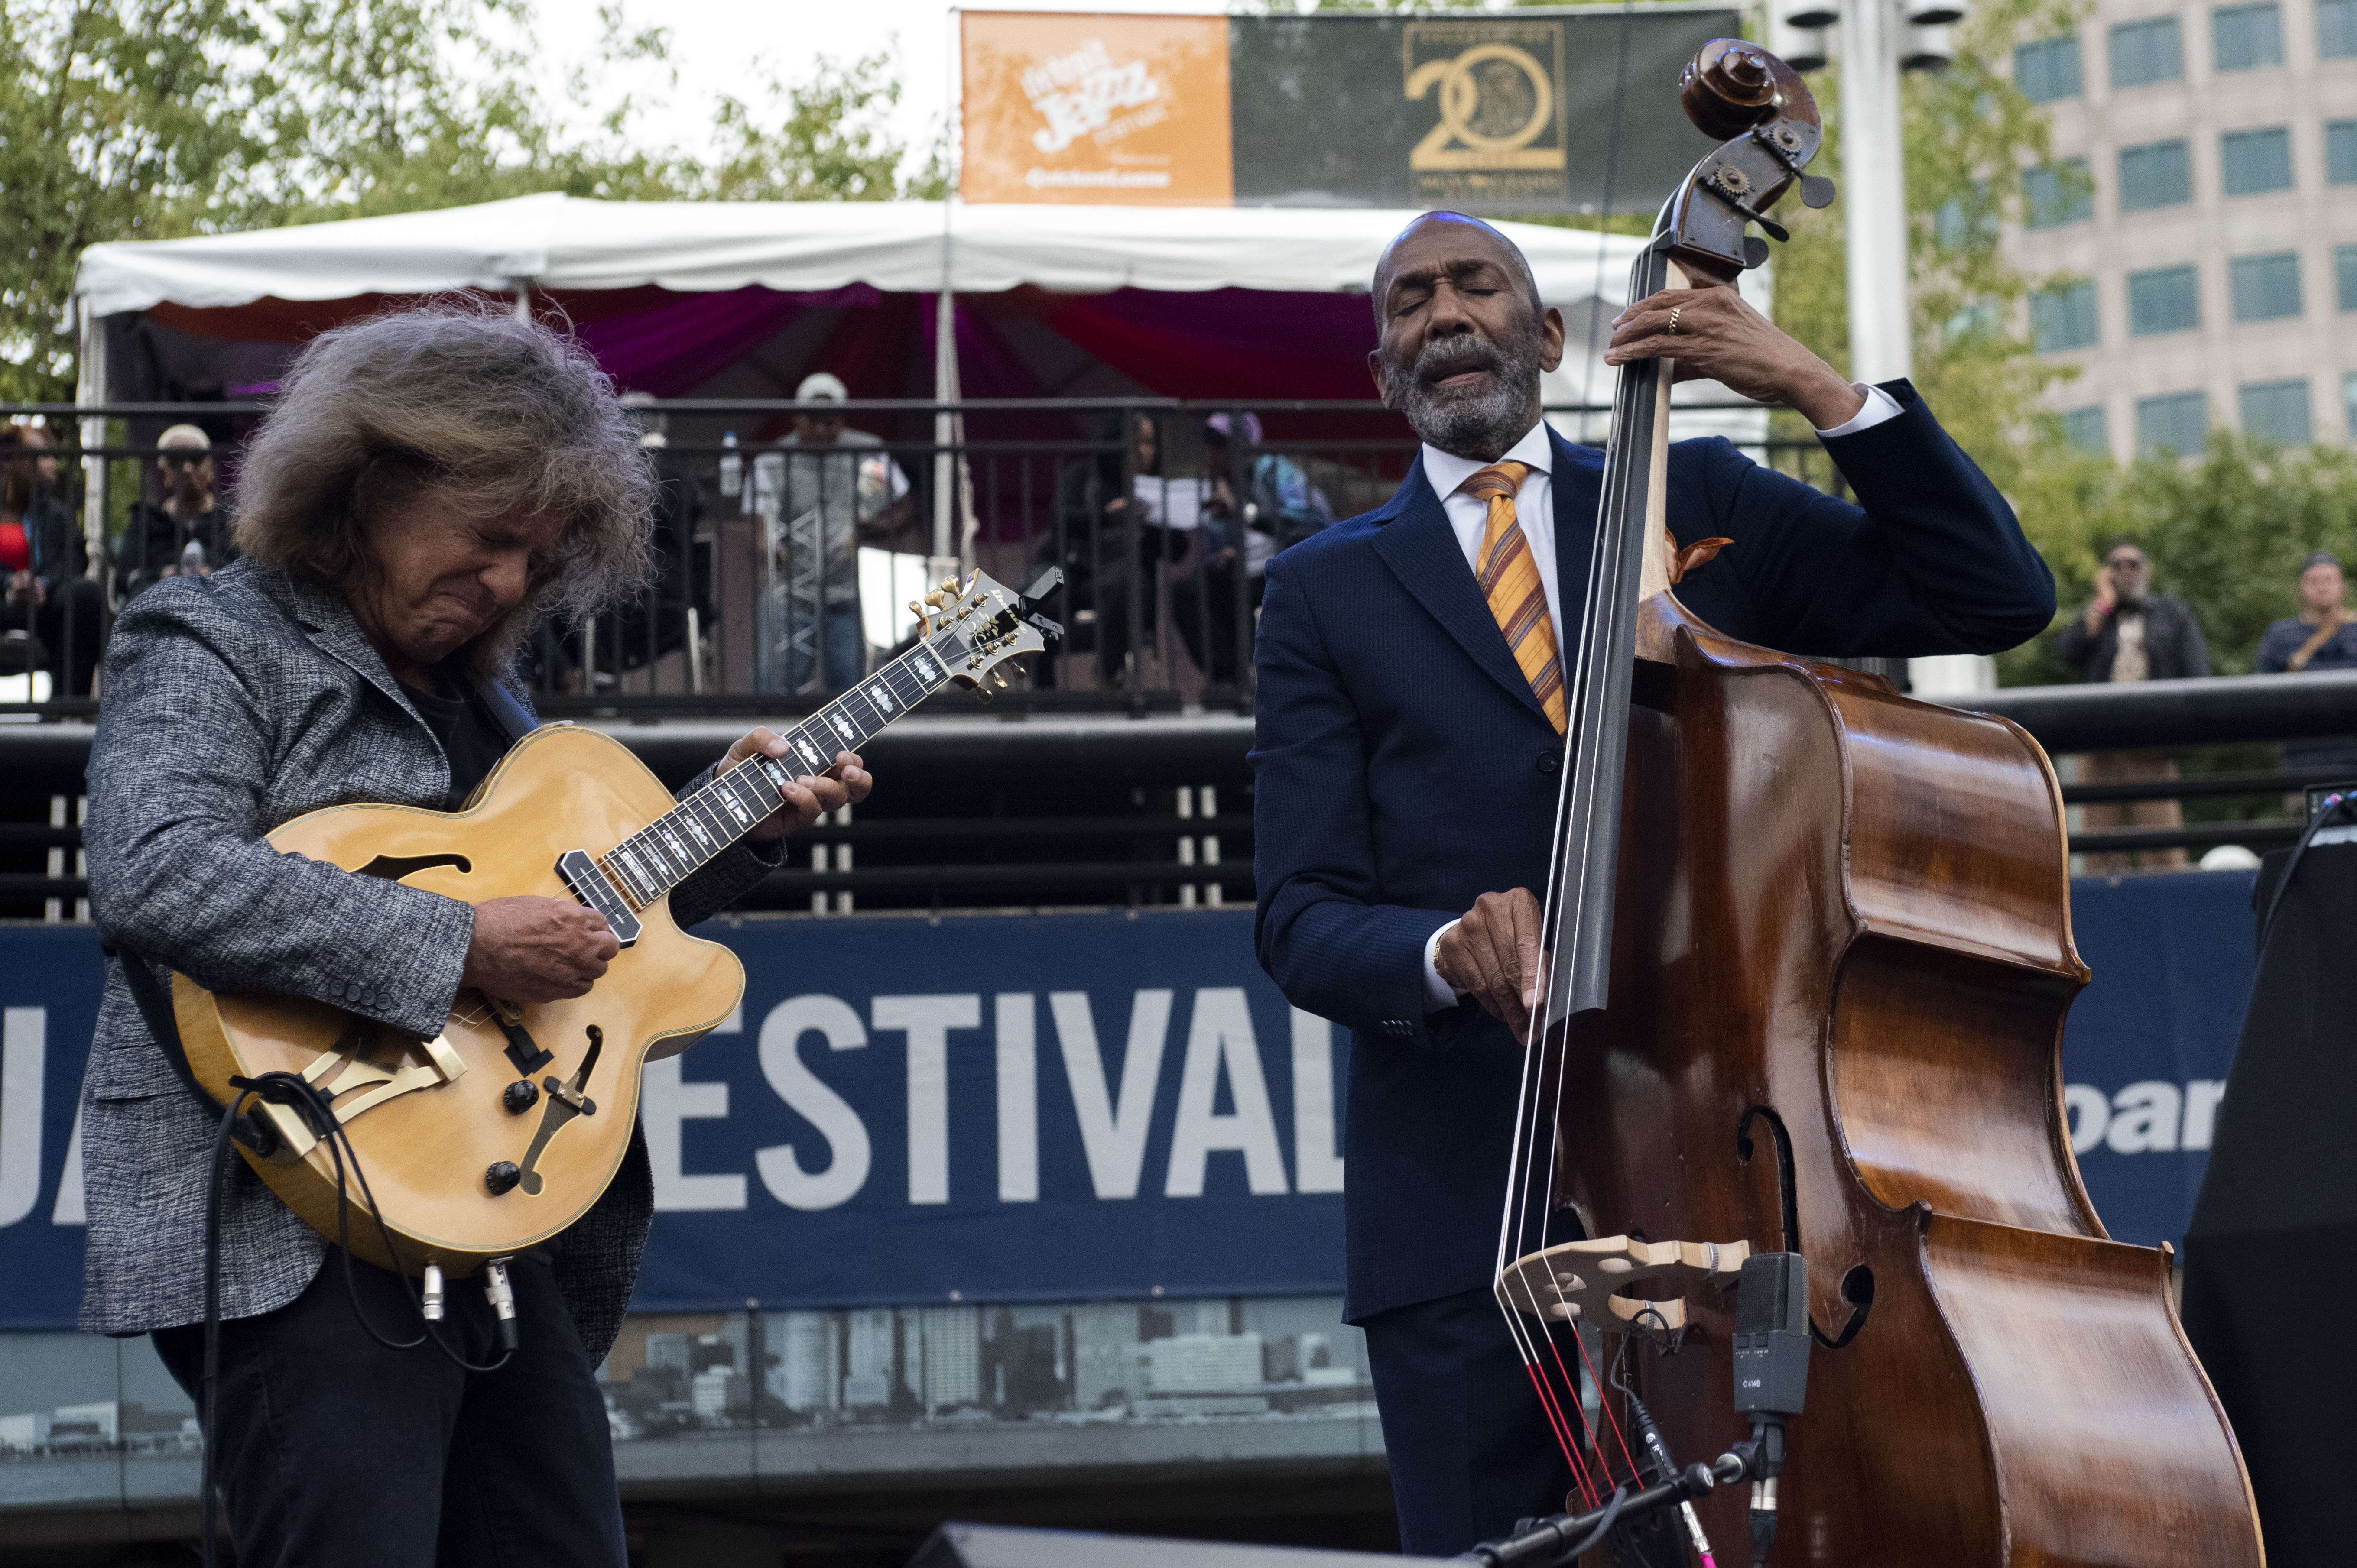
(977, 628)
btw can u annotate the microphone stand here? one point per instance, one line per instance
(1562, 1537)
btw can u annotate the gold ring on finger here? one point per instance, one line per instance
(1674, 327)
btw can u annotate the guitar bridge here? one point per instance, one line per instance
(590, 886)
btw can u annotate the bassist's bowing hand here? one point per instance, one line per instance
(807, 798)
(1491, 955)
(529, 948)
(1716, 335)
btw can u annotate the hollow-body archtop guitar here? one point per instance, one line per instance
(502, 1130)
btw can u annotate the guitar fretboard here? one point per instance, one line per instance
(667, 851)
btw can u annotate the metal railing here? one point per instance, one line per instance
(784, 562)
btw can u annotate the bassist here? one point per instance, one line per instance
(1409, 749)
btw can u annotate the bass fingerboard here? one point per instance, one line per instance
(667, 851)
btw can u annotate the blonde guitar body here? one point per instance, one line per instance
(429, 1119)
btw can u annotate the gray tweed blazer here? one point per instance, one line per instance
(228, 712)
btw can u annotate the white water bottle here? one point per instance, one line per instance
(732, 467)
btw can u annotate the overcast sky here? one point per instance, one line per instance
(730, 47)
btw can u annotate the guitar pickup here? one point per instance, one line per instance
(591, 886)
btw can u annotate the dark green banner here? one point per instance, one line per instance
(1484, 112)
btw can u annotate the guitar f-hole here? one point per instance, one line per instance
(394, 867)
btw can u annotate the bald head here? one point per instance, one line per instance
(1443, 239)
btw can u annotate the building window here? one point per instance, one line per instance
(2267, 287)
(2057, 193)
(2276, 411)
(2167, 300)
(2247, 35)
(2157, 173)
(2348, 400)
(2146, 51)
(1960, 222)
(2086, 430)
(2336, 27)
(2257, 161)
(2064, 317)
(2048, 68)
(2344, 271)
(2178, 423)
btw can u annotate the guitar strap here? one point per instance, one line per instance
(514, 719)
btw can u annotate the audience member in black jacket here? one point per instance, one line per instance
(156, 539)
(2162, 638)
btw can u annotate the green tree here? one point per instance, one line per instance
(118, 120)
(826, 139)
(152, 119)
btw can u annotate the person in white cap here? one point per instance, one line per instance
(190, 529)
(826, 493)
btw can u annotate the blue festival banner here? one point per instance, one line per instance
(1008, 1108)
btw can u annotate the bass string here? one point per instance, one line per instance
(1558, 1386)
(1551, 1400)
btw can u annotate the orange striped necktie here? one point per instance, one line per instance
(1509, 581)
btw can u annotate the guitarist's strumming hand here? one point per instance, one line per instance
(530, 949)
(807, 798)
(1493, 956)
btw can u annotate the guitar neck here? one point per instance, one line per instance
(667, 851)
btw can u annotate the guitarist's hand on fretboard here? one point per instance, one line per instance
(529, 948)
(807, 798)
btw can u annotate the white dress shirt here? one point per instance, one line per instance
(1470, 520)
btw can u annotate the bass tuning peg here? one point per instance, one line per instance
(1816, 191)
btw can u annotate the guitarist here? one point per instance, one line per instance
(431, 485)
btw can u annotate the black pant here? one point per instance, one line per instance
(1468, 1443)
(1205, 610)
(333, 1449)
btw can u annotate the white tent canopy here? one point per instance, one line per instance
(558, 242)
(570, 242)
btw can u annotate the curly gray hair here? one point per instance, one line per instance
(491, 412)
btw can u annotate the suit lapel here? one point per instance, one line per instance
(1416, 542)
(327, 621)
(1577, 482)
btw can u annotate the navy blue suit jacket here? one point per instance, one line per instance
(1404, 769)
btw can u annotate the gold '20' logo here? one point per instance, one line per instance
(1495, 100)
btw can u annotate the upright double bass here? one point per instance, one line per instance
(1810, 958)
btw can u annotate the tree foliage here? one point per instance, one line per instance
(152, 119)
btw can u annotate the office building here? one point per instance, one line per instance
(2206, 272)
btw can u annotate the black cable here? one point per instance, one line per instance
(311, 1103)
(1602, 1527)
(2334, 804)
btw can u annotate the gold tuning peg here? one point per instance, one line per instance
(999, 676)
(936, 599)
(918, 609)
(949, 584)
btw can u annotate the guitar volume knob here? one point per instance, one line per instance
(520, 1096)
(501, 1177)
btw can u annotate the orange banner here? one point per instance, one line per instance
(1099, 109)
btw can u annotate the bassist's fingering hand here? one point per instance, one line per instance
(531, 948)
(1492, 955)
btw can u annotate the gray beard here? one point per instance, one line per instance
(1481, 426)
